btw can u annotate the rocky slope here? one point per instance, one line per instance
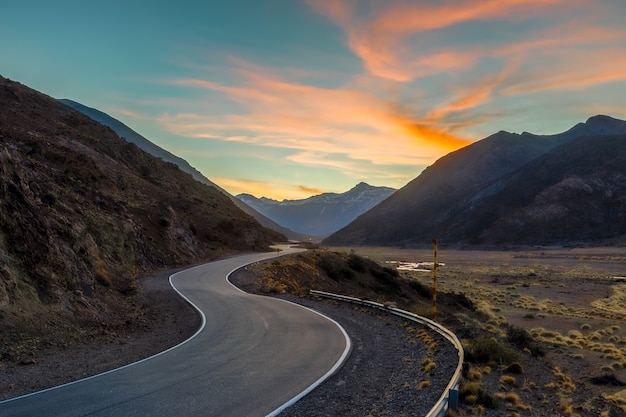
(84, 213)
(485, 193)
(144, 144)
(321, 214)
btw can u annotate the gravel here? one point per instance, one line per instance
(382, 375)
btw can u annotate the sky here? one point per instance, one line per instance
(291, 98)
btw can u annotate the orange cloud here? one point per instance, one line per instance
(381, 40)
(320, 121)
(447, 142)
(271, 189)
(309, 190)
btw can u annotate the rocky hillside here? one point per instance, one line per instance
(321, 214)
(131, 136)
(83, 213)
(142, 143)
(500, 191)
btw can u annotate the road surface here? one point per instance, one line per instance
(252, 355)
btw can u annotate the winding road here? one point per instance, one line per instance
(252, 356)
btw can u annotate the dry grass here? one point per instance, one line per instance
(565, 299)
(615, 302)
(618, 398)
(429, 366)
(423, 384)
(508, 380)
(474, 374)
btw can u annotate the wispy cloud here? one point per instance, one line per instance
(271, 189)
(382, 35)
(319, 121)
(565, 70)
(309, 190)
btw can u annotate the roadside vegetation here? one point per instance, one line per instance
(540, 336)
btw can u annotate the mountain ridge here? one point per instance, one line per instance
(426, 206)
(320, 214)
(131, 136)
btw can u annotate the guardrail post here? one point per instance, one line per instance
(453, 399)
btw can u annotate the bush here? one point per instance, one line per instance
(473, 393)
(334, 266)
(421, 289)
(387, 277)
(357, 262)
(514, 368)
(519, 337)
(489, 350)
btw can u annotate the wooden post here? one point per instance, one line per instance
(435, 280)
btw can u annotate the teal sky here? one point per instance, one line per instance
(290, 98)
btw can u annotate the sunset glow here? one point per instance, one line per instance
(291, 99)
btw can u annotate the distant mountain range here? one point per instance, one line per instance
(146, 145)
(510, 189)
(322, 214)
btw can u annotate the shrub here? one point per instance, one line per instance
(519, 337)
(489, 350)
(514, 368)
(507, 379)
(421, 289)
(511, 397)
(335, 268)
(357, 262)
(386, 276)
(429, 365)
(471, 399)
(474, 374)
(475, 394)
(423, 384)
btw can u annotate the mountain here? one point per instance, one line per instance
(142, 143)
(498, 191)
(146, 145)
(574, 194)
(83, 213)
(322, 214)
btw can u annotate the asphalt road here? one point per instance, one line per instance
(253, 355)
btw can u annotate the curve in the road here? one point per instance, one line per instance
(252, 356)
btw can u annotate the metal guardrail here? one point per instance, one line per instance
(441, 406)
